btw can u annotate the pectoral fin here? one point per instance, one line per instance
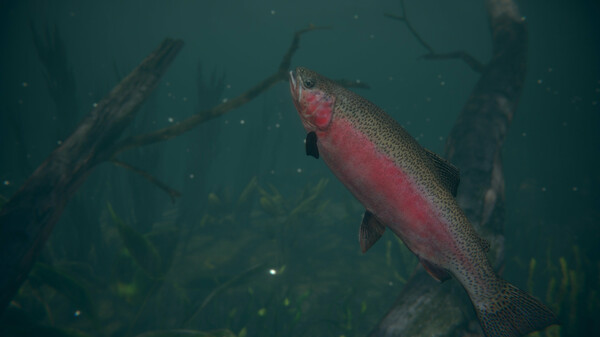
(311, 145)
(370, 231)
(437, 272)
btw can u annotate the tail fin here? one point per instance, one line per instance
(513, 313)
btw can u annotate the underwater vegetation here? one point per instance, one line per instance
(570, 284)
(174, 281)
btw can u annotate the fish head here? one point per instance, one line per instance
(313, 97)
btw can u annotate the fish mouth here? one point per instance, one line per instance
(296, 91)
(295, 88)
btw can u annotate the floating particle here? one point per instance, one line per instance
(6, 182)
(355, 16)
(225, 100)
(277, 125)
(170, 119)
(428, 99)
(524, 134)
(228, 86)
(439, 76)
(273, 12)
(594, 103)
(390, 78)
(523, 18)
(168, 84)
(544, 189)
(357, 81)
(25, 84)
(59, 142)
(184, 99)
(540, 81)
(94, 105)
(272, 271)
(372, 36)
(390, 283)
(169, 94)
(597, 89)
(20, 101)
(574, 189)
(226, 121)
(299, 170)
(550, 70)
(408, 123)
(242, 121)
(192, 176)
(441, 138)
(428, 119)
(442, 83)
(272, 171)
(564, 123)
(77, 313)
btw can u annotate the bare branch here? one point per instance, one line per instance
(203, 116)
(432, 55)
(170, 191)
(469, 60)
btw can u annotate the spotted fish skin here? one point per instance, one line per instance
(401, 185)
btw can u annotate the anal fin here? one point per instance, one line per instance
(370, 231)
(437, 272)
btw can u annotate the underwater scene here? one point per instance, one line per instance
(235, 168)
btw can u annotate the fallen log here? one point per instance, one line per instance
(28, 218)
(425, 307)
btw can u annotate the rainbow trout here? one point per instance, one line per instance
(411, 191)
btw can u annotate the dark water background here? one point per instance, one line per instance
(215, 250)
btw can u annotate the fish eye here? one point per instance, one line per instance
(308, 83)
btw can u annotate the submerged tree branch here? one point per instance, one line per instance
(467, 58)
(425, 307)
(28, 218)
(170, 191)
(203, 116)
(471, 61)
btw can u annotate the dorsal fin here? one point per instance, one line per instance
(370, 231)
(485, 244)
(446, 172)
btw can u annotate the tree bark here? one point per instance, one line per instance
(425, 307)
(27, 220)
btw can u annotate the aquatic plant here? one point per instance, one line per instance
(571, 286)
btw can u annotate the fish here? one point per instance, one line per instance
(411, 191)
